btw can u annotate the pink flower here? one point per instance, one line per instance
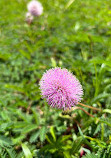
(60, 88)
(29, 18)
(35, 8)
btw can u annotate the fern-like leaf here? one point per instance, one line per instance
(92, 155)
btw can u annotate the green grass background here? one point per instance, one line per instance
(76, 36)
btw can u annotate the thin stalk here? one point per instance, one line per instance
(28, 109)
(83, 110)
(102, 131)
(90, 107)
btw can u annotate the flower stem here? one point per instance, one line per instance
(90, 107)
(83, 110)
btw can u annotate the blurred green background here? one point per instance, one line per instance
(71, 34)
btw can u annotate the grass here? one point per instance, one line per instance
(74, 35)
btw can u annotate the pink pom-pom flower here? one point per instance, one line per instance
(35, 8)
(61, 88)
(29, 18)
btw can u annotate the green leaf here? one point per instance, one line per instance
(100, 61)
(76, 145)
(100, 96)
(26, 151)
(66, 154)
(11, 153)
(4, 141)
(107, 111)
(42, 133)
(69, 4)
(34, 136)
(49, 140)
(18, 139)
(92, 155)
(29, 128)
(53, 133)
(63, 138)
(53, 62)
(25, 54)
(36, 116)
(81, 133)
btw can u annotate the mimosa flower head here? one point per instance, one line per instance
(35, 8)
(29, 18)
(60, 88)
